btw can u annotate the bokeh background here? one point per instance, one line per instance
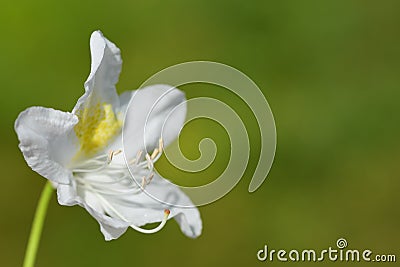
(329, 69)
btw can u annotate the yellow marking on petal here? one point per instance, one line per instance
(97, 126)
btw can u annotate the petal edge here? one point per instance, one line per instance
(45, 137)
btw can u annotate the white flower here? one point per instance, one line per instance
(80, 152)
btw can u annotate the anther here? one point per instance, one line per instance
(144, 182)
(160, 145)
(154, 154)
(139, 155)
(137, 158)
(148, 161)
(113, 153)
(150, 177)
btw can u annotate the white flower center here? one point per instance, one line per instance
(107, 179)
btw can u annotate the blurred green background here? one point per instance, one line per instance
(329, 69)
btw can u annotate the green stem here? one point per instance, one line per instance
(37, 225)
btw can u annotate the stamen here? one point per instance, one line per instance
(112, 153)
(97, 161)
(102, 166)
(149, 162)
(158, 151)
(139, 155)
(154, 154)
(144, 182)
(150, 178)
(92, 170)
(104, 177)
(137, 158)
(154, 230)
(112, 192)
(160, 144)
(137, 228)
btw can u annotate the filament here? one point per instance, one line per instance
(106, 178)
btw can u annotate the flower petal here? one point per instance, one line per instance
(96, 109)
(104, 73)
(116, 212)
(47, 141)
(69, 195)
(142, 208)
(153, 112)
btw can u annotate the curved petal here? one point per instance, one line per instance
(104, 74)
(142, 209)
(96, 109)
(70, 195)
(153, 112)
(47, 141)
(188, 219)
(115, 212)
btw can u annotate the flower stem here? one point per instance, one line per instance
(37, 225)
